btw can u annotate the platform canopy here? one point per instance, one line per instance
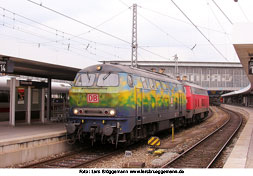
(28, 67)
(243, 44)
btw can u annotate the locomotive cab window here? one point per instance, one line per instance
(108, 79)
(84, 79)
(130, 80)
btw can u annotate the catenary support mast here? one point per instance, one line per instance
(134, 37)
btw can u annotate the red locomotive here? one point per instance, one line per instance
(197, 101)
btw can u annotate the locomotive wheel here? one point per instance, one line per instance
(71, 140)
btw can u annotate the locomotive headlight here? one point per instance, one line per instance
(112, 112)
(75, 111)
(99, 68)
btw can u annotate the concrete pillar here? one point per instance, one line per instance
(12, 101)
(49, 99)
(29, 104)
(42, 111)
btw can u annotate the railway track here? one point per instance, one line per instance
(74, 159)
(204, 153)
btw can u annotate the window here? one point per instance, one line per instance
(4, 96)
(84, 79)
(130, 80)
(108, 79)
(199, 91)
(169, 85)
(158, 84)
(144, 83)
(164, 86)
(151, 83)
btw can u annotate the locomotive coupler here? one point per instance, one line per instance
(71, 127)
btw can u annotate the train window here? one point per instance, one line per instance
(199, 91)
(130, 80)
(151, 83)
(184, 89)
(164, 86)
(174, 88)
(169, 85)
(158, 84)
(144, 83)
(4, 97)
(108, 79)
(84, 79)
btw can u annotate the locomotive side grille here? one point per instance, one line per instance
(93, 112)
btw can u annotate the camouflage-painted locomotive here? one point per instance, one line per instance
(121, 104)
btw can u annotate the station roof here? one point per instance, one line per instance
(180, 63)
(243, 44)
(41, 69)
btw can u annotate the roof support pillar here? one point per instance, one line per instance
(42, 111)
(12, 101)
(49, 93)
(28, 106)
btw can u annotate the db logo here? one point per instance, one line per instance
(92, 98)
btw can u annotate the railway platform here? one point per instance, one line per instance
(24, 143)
(242, 153)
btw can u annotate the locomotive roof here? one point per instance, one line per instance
(113, 68)
(193, 85)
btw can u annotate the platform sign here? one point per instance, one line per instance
(154, 141)
(33, 83)
(6, 66)
(3, 66)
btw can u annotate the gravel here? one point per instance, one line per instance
(184, 139)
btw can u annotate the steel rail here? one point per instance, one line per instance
(204, 139)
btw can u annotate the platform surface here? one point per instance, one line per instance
(242, 153)
(23, 131)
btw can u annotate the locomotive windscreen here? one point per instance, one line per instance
(104, 79)
(84, 79)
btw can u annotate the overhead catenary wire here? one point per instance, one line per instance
(104, 22)
(122, 2)
(55, 47)
(5, 24)
(52, 31)
(215, 16)
(51, 28)
(182, 21)
(199, 30)
(243, 12)
(163, 31)
(222, 11)
(80, 22)
(85, 24)
(218, 21)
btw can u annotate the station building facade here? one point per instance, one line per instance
(214, 76)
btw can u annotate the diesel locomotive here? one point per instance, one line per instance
(121, 104)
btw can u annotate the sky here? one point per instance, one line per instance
(84, 32)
